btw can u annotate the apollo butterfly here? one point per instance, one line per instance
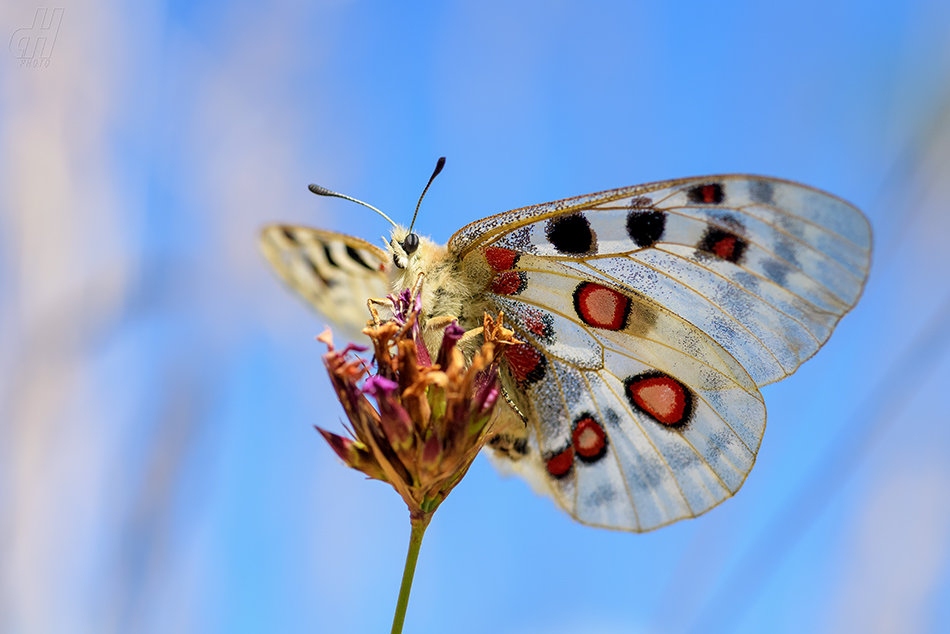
(650, 316)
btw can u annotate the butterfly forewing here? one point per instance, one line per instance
(336, 273)
(764, 266)
(650, 317)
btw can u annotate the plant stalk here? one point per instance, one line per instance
(415, 542)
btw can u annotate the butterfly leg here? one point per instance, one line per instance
(511, 404)
(467, 343)
(440, 322)
(417, 287)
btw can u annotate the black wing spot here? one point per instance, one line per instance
(762, 192)
(776, 271)
(289, 234)
(786, 249)
(329, 256)
(645, 228)
(356, 257)
(316, 271)
(571, 234)
(709, 194)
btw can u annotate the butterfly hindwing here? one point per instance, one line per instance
(624, 444)
(650, 317)
(336, 273)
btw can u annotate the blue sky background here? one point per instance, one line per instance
(158, 467)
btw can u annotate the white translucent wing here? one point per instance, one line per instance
(763, 266)
(650, 317)
(336, 273)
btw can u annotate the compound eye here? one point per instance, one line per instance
(410, 244)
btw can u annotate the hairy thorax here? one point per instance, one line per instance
(446, 288)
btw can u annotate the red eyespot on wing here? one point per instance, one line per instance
(710, 194)
(661, 397)
(526, 363)
(501, 259)
(601, 307)
(725, 245)
(559, 465)
(725, 248)
(509, 283)
(539, 324)
(589, 439)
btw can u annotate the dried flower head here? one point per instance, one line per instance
(431, 419)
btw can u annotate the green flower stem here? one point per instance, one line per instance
(415, 541)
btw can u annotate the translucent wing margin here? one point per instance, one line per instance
(335, 273)
(765, 267)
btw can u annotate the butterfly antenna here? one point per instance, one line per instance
(323, 191)
(438, 168)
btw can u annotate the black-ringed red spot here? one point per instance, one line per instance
(725, 245)
(571, 235)
(762, 191)
(501, 259)
(601, 307)
(526, 363)
(588, 438)
(539, 324)
(645, 228)
(709, 194)
(661, 397)
(509, 283)
(559, 464)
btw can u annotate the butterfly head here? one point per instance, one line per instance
(410, 243)
(404, 244)
(407, 248)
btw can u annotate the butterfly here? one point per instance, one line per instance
(649, 318)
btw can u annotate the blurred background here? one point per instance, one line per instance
(158, 467)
